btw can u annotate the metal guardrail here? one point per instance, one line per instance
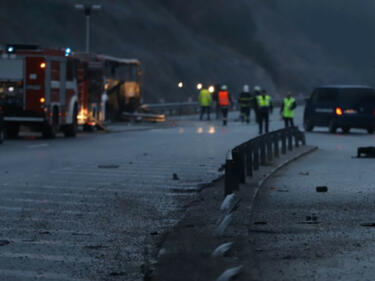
(181, 108)
(244, 159)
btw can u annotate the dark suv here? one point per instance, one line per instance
(2, 130)
(342, 107)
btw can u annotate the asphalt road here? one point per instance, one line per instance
(87, 208)
(300, 234)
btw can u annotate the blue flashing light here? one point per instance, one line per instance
(68, 51)
(10, 49)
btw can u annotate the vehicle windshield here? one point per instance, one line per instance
(346, 96)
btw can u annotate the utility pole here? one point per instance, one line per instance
(87, 10)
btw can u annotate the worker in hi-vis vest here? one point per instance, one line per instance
(264, 108)
(205, 100)
(245, 100)
(287, 110)
(224, 100)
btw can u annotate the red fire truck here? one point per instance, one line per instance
(38, 88)
(51, 90)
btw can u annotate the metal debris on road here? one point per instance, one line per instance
(4, 242)
(366, 152)
(175, 177)
(321, 189)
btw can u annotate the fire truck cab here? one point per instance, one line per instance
(38, 88)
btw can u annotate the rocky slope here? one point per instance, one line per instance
(281, 46)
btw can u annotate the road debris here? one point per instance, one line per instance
(110, 166)
(304, 173)
(321, 189)
(175, 177)
(366, 152)
(4, 242)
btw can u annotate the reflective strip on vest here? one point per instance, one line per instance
(288, 112)
(223, 97)
(264, 101)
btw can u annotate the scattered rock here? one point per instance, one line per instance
(4, 242)
(304, 173)
(321, 189)
(175, 177)
(154, 233)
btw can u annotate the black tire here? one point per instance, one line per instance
(2, 136)
(71, 130)
(12, 131)
(332, 127)
(308, 126)
(370, 130)
(346, 130)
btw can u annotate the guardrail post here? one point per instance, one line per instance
(276, 145)
(290, 139)
(249, 164)
(283, 143)
(262, 153)
(239, 161)
(269, 148)
(231, 176)
(256, 156)
(296, 137)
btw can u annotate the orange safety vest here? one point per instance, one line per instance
(223, 97)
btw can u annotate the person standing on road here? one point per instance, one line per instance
(224, 100)
(287, 110)
(216, 100)
(205, 101)
(256, 93)
(245, 100)
(264, 108)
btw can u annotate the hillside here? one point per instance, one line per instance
(281, 47)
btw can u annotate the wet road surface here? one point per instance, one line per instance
(301, 234)
(87, 208)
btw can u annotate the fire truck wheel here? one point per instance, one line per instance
(71, 130)
(12, 131)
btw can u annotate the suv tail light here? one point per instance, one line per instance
(338, 111)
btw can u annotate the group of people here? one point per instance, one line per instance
(258, 100)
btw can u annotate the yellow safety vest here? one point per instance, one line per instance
(288, 112)
(264, 101)
(205, 97)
